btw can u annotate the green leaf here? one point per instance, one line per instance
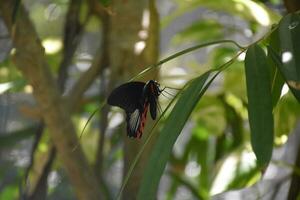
(167, 138)
(289, 32)
(259, 104)
(275, 64)
(277, 80)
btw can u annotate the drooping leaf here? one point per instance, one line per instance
(275, 64)
(259, 104)
(289, 32)
(167, 138)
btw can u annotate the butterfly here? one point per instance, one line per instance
(136, 98)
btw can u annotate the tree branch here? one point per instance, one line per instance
(84, 82)
(40, 191)
(72, 33)
(125, 62)
(72, 36)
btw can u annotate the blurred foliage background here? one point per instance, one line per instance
(212, 154)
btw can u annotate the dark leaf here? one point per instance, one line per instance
(259, 104)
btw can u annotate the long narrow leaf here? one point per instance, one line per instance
(167, 138)
(289, 32)
(275, 64)
(259, 104)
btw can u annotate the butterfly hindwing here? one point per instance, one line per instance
(136, 122)
(133, 120)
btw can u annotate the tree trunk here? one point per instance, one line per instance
(29, 58)
(133, 46)
(292, 5)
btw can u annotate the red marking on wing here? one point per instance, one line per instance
(143, 121)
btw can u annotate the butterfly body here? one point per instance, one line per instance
(136, 98)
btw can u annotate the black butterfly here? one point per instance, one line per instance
(135, 98)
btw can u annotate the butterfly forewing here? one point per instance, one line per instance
(152, 91)
(153, 107)
(127, 96)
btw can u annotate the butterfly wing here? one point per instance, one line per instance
(136, 122)
(133, 121)
(152, 91)
(153, 106)
(127, 96)
(135, 98)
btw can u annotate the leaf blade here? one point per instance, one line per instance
(162, 149)
(259, 104)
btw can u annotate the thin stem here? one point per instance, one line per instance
(185, 51)
(87, 122)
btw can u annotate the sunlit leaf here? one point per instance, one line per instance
(167, 138)
(259, 104)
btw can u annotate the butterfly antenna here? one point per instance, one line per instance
(165, 95)
(169, 93)
(87, 122)
(171, 88)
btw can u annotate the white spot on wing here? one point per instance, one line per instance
(134, 121)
